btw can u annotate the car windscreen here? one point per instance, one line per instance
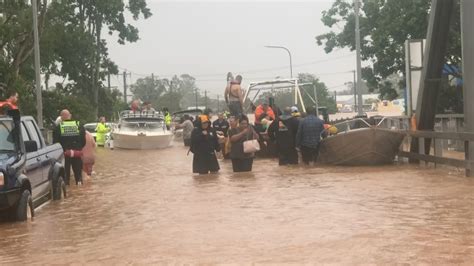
(7, 141)
(90, 128)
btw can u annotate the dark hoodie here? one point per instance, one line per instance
(283, 131)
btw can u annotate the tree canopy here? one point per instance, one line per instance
(71, 46)
(384, 27)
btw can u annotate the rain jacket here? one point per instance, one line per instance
(71, 135)
(102, 129)
(168, 119)
(259, 112)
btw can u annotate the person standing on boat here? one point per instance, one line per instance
(203, 146)
(148, 108)
(234, 97)
(135, 106)
(283, 131)
(241, 161)
(72, 137)
(309, 135)
(101, 131)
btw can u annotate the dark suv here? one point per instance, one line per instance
(31, 172)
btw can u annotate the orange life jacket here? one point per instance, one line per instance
(9, 105)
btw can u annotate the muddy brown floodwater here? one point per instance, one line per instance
(146, 207)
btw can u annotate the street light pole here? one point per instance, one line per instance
(286, 49)
(39, 99)
(196, 92)
(358, 61)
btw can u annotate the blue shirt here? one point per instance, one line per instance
(309, 132)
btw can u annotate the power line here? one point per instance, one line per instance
(250, 71)
(273, 77)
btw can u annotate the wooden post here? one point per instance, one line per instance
(467, 159)
(438, 148)
(421, 147)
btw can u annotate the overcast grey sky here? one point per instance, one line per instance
(206, 39)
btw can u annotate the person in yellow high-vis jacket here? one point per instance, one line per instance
(101, 131)
(168, 120)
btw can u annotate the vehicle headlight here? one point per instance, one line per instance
(2, 179)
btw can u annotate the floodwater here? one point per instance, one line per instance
(146, 207)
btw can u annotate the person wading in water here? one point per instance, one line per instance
(71, 134)
(241, 161)
(283, 131)
(203, 146)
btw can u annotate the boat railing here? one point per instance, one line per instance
(143, 114)
(378, 122)
(356, 123)
(391, 123)
(141, 125)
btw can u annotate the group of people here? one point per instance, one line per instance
(226, 136)
(147, 107)
(290, 133)
(234, 137)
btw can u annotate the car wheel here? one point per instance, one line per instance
(25, 209)
(59, 188)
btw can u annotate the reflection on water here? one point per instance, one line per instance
(147, 207)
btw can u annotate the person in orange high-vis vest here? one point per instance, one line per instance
(10, 103)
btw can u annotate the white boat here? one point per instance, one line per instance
(141, 131)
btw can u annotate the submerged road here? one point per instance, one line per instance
(146, 207)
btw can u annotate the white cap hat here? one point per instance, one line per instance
(294, 109)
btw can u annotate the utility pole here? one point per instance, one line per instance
(39, 97)
(355, 90)
(358, 61)
(467, 38)
(196, 92)
(108, 80)
(205, 98)
(125, 86)
(217, 103)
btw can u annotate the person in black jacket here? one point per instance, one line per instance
(72, 136)
(283, 131)
(203, 145)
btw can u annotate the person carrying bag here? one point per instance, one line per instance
(244, 145)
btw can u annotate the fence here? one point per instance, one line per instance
(437, 139)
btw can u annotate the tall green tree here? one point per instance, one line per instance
(71, 43)
(384, 27)
(323, 97)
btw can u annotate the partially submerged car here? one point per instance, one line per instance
(31, 172)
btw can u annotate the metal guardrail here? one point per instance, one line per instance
(437, 158)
